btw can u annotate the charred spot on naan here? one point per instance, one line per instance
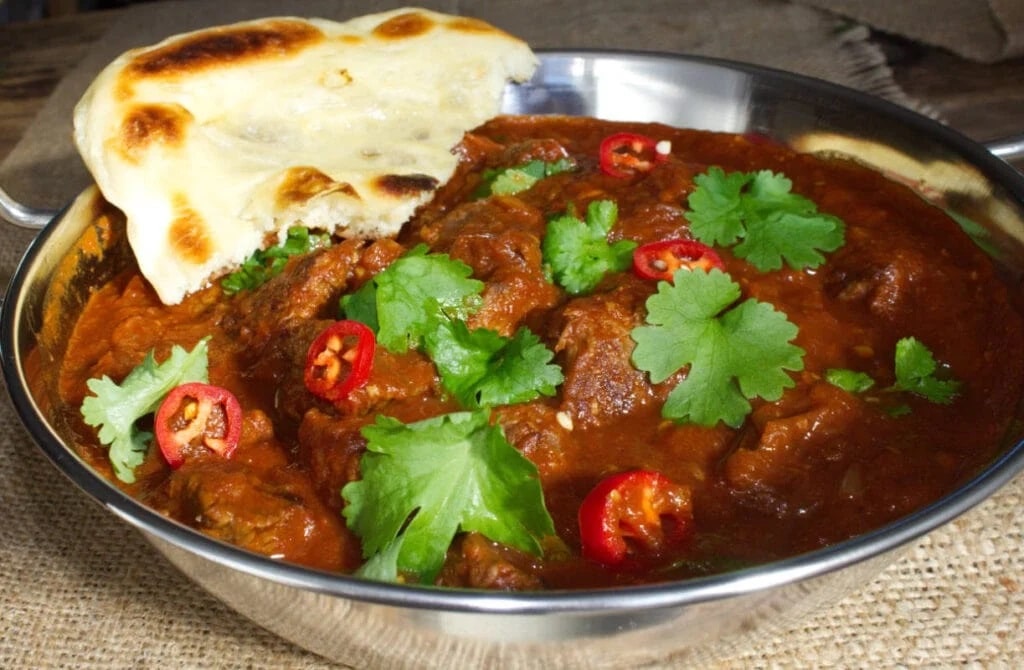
(187, 236)
(404, 25)
(154, 123)
(405, 185)
(413, 24)
(299, 185)
(232, 45)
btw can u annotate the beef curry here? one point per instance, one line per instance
(814, 436)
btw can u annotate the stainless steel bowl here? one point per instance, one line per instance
(369, 623)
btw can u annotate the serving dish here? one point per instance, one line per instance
(366, 623)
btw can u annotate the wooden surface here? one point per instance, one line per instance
(984, 101)
(34, 55)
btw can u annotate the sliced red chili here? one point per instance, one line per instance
(660, 260)
(634, 515)
(194, 415)
(626, 154)
(339, 360)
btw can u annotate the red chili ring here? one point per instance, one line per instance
(345, 344)
(632, 514)
(658, 261)
(626, 154)
(189, 414)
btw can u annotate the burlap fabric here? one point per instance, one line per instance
(80, 589)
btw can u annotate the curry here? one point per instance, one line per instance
(668, 353)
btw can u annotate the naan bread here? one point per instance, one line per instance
(214, 143)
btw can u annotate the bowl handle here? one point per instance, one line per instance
(1010, 149)
(14, 212)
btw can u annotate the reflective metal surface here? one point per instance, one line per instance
(1010, 149)
(14, 212)
(368, 623)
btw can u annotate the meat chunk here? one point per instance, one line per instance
(896, 284)
(393, 376)
(539, 149)
(309, 289)
(490, 215)
(600, 381)
(330, 443)
(330, 448)
(540, 432)
(886, 287)
(511, 263)
(274, 513)
(481, 151)
(476, 562)
(500, 239)
(793, 436)
(275, 324)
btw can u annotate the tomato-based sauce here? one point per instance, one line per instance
(812, 468)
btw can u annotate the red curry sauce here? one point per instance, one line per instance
(816, 467)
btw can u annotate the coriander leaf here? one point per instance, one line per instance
(915, 372)
(115, 408)
(578, 252)
(462, 357)
(733, 353)
(850, 381)
(383, 566)
(482, 368)
(417, 290)
(361, 306)
(512, 180)
(716, 214)
(520, 371)
(768, 224)
(420, 300)
(423, 482)
(264, 264)
(790, 237)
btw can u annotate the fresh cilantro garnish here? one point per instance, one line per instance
(481, 368)
(383, 566)
(421, 300)
(362, 306)
(850, 381)
(116, 408)
(512, 180)
(915, 368)
(578, 253)
(734, 353)
(405, 301)
(768, 224)
(265, 264)
(423, 482)
(915, 372)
